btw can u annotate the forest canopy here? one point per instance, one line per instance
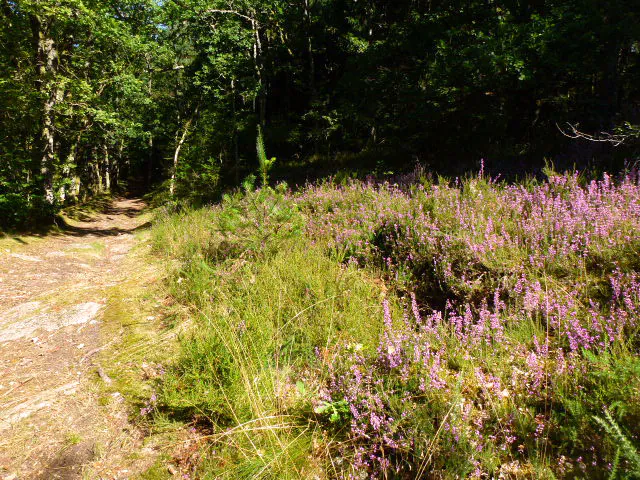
(95, 92)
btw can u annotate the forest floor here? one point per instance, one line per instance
(68, 302)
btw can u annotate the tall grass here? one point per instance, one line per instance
(452, 330)
(265, 319)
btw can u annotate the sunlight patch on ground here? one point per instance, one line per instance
(16, 325)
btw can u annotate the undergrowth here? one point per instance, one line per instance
(466, 329)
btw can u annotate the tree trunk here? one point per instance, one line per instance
(82, 181)
(176, 153)
(47, 68)
(258, 61)
(312, 75)
(71, 164)
(96, 173)
(176, 156)
(120, 166)
(150, 162)
(150, 156)
(106, 161)
(236, 151)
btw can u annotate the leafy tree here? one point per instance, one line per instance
(93, 92)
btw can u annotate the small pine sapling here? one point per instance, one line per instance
(265, 163)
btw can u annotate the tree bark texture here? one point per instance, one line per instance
(46, 68)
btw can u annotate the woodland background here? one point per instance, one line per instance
(95, 92)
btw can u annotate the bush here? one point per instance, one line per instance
(20, 211)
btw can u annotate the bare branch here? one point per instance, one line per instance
(604, 137)
(168, 69)
(233, 12)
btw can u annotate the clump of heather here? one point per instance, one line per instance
(521, 331)
(458, 241)
(470, 393)
(467, 329)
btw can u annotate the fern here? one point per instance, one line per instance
(625, 448)
(264, 163)
(615, 465)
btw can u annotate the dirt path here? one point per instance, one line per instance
(54, 421)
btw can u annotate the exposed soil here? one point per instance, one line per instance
(54, 421)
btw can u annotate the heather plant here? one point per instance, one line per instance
(465, 329)
(527, 305)
(462, 238)
(467, 393)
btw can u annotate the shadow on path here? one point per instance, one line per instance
(98, 231)
(101, 224)
(103, 217)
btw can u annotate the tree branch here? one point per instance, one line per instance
(604, 137)
(233, 12)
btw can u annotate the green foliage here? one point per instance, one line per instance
(623, 446)
(262, 319)
(360, 87)
(335, 411)
(198, 180)
(264, 163)
(255, 223)
(72, 81)
(19, 211)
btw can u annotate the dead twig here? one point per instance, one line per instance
(105, 378)
(14, 388)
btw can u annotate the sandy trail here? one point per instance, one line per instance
(53, 292)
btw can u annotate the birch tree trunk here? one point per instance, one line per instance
(176, 153)
(107, 168)
(120, 166)
(258, 60)
(236, 151)
(150, 144)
